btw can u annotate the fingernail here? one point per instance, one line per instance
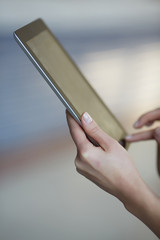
(136, 124)
(87, 118)
(128, 137)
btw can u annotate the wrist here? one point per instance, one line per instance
(135, 194)
(145, 205)
(140, 200)
(132, 191)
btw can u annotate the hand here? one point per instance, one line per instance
(111, 168)
(109, 165)
(148, 119)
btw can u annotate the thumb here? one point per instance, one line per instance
(95, 132)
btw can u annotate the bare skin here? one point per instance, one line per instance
(148, 119)
(109, 166)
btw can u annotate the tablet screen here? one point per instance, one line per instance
(69, 81)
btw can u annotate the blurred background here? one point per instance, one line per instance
(116, 44)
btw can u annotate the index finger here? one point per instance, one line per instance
(148, 118)
(142, 136)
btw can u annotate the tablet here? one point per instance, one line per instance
(64, 77)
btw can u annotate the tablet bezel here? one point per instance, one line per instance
(28, 32)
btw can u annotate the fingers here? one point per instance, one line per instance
(148, 118)
(146, 135)
(151, 134)
(93, 131)
(140, 136)
(76, 131)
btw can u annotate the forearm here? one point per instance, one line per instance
(145, 205)
(111, 168)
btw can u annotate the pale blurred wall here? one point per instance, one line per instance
(41, 195)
